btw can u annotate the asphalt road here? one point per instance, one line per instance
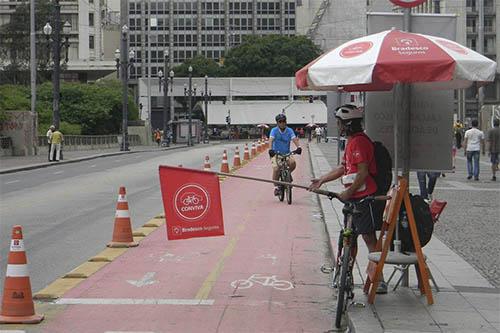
(469, 224)
(67, 211)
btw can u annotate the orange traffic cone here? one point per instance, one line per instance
(17, 302)
(237, 160)
(206, 165)
(246, 154)
(253, 151)
(224, 167)
(122, 232)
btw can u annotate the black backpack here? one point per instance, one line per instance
(383, 177)
(423, 221)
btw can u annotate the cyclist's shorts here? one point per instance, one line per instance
(370, 218)
(274, 162)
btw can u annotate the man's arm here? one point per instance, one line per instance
(332, 175)
(296, 142)
(358, 181)
(465, 144)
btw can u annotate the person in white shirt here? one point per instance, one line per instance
(318, 134)
(474, 140)
(52, 128)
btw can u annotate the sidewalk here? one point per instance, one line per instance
(10, 164)
(467, 302)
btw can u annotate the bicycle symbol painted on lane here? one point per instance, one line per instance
(266, 281)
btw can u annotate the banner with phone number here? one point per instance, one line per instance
(192, 203)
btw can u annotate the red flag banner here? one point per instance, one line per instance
(192, 203)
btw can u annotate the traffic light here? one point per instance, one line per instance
(228, 120)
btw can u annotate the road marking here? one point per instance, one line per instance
(12, 331)
(471, 189)
(133, 301)
(12, 182)
(146, 280)
(93, 165)
(266, 281)
(459, 185)
(269, 256)
(58, 172)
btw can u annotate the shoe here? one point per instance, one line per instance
(443, 175)
(382, 288)
(476, 178)
(469, 177)
(277, 191)
(494, 178)
(430, 197)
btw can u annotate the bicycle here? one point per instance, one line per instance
(343, 278)
(285, 175)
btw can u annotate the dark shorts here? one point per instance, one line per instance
(370, 218)
(494, 158)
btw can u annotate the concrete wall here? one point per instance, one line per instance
(19, 127)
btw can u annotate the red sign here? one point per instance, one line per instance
(408, 3)
(192, 203)
(355, 49)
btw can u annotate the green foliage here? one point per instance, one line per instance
(270, 55)
(88, 109)
(201, 66)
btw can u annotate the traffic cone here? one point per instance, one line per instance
(258, 146)
(246, 154)
(237, 160)
(122, 232)
(224, 167)
(254, 150)
(206, 165)
(17, 302)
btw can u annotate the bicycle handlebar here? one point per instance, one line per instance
(370, 198)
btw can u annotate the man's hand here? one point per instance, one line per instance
(315, 184)
(271, 153)
(298, 151)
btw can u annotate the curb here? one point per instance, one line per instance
(80, 159)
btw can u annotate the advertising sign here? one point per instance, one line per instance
(192, 203)
(408, 3)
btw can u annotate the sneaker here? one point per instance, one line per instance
(430, 197)
(382, 288)
(494, 178)
(476, 178)
(277, 191)
(469, 177)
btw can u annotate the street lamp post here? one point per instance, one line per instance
(190, 96)
(206, 95)
(56, 54)
(166, 113)
(124, 64)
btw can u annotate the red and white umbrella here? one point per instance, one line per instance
(376, 62)
(263, 125)
(311, 125)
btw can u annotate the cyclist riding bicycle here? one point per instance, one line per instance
(279, 141)
(355, 172)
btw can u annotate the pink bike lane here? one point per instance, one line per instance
(262, 276)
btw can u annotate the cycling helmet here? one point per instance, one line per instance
(280, 117)
(348, 112)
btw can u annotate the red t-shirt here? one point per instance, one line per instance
(360, 149)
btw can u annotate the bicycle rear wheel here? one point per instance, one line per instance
(343, 290)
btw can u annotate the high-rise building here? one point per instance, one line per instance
(198, 27)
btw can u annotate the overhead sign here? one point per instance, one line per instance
(408, 3)
(191, 199)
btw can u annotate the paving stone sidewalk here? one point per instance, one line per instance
(467, 302)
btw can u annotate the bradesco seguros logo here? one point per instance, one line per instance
(191, 202)
(355, 49)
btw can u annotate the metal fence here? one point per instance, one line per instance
(75, 142)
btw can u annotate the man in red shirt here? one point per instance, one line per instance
(356, 172)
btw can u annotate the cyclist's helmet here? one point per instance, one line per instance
(348, 112)
(280, 117)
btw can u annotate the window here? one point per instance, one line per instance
(91, 42)
(91, 19)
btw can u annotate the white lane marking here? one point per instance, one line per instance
(269, 256)
(12, 331)
(119, 160)
(12, 182)
(58, 172)
(93, 165)
(459, 185)
(134, 301)
(146, 280)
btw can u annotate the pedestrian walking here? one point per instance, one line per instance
(493, 138)
(474, 139)
(319, 133)
(55, 148)
(51, 129)
(458, 128)
(157, 136)
(427, 182)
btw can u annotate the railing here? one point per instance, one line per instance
(80, 142)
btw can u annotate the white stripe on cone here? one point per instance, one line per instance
(16, 245)
(122, 213)
(122, 198)
(17, 270)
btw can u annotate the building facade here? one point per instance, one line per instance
(198, 27)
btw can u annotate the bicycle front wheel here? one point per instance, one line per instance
(281, 196)
(288, 189)
(343, 290)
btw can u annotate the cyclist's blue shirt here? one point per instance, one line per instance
(281, 140)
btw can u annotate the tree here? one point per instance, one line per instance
(270, 55)
(201, 66)
(15, 43)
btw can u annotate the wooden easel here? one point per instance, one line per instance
(399, 194)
